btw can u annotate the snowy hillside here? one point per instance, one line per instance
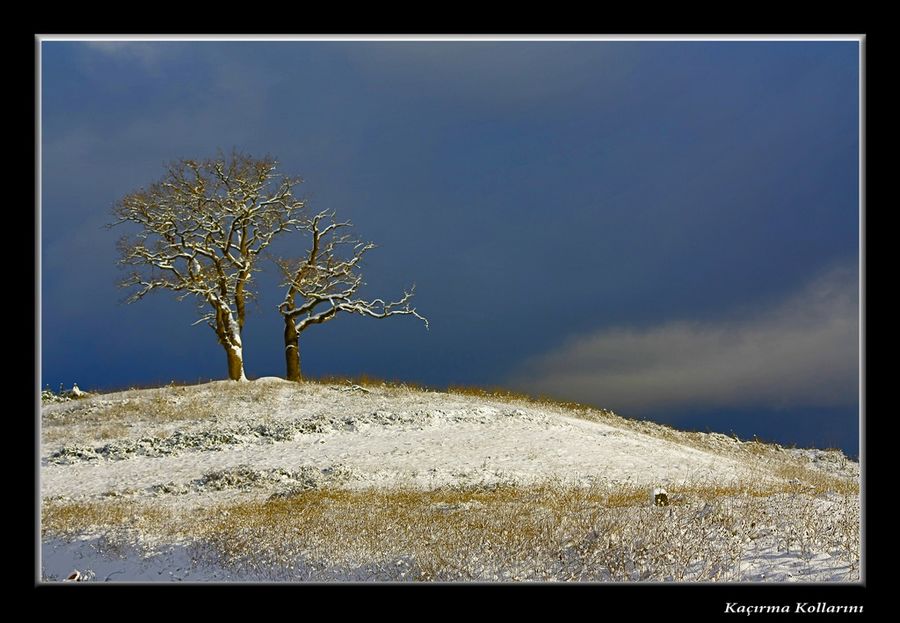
(271, 480)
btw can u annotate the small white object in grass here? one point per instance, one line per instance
(75, 391)
(659, 497)
(78, 576)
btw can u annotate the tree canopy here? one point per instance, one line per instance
(201, 230)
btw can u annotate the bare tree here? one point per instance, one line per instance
(325, 282)
(201, 229)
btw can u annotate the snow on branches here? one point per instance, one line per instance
(201, 229)
(325, 282)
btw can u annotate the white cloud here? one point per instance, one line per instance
(802, 352)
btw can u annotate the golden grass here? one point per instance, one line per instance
(155, 406)
(536, 532)
(549, 531)
(70, 518)
(816, 480)
(502, 393)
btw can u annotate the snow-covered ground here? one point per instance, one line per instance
(226, 443)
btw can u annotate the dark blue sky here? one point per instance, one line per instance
(667, 229)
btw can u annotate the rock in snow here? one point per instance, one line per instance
(659, 497)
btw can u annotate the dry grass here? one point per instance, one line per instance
(104, 418)
(73, 518)
(540, 532)
(815, 480)
(494, 393)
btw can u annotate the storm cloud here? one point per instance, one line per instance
(802, 352)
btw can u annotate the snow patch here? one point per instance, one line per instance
(282, 438)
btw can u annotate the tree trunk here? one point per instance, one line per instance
(291, 351)
(229, 335)
(235, 363)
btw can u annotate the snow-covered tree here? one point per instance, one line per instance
(325, 281)
(201, 229)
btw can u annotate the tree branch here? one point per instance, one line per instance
(328, 275)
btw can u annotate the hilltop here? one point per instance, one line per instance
(335, 481)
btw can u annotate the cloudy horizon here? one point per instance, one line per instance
(802, 352)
